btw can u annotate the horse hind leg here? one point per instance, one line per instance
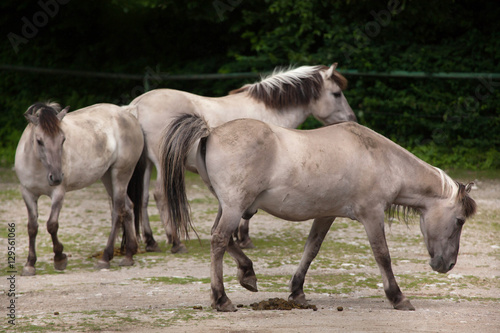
(125, 218)
(32, 206)
(246, 274)
(172, 237)
(317, 234)
(221, 238)
(242, 235)
(121, 215)
(151, 244)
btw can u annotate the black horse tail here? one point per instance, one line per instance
(181, 136)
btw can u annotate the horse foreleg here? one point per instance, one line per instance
(317, 234)
(31, 202)
(243, 235)
(60, 259)
(376, 236)
(172, 237)
(151, 244)
(246, 274)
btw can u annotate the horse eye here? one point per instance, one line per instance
(40, 142)
(337, 94)
(460, 222)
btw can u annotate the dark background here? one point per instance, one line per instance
(451, 123)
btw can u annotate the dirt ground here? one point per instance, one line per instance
(166, 292)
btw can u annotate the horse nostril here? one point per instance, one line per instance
(451, 266)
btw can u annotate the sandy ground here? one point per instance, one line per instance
(135, 298)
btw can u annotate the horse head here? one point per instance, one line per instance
(441, 225)
(48, 138)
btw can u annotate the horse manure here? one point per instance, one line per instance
(281, 304)
(340, 308)
(197, 307)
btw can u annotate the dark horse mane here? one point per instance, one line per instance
(468, 204)
(46, 114)
(297, 87)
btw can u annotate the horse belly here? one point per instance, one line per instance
(297, 204)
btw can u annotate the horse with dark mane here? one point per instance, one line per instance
(60, 152)
(285, 98)
(342, 170)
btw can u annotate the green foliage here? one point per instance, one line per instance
(450, 123)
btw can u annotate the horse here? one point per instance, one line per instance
(341, 170)
(60, 152)
(285, 98)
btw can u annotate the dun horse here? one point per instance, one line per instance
(60, 152)
(286, 98)
(343, 170)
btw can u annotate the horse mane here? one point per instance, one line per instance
(395, 211)
(47, 117)
(291, 86)
(455, 191)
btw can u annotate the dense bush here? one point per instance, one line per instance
(448, 122)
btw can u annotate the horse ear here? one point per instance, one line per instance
(61, 114)
(31, 118)
(468, 187)
(329, 73)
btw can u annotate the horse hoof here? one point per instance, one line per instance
(250, 283)
(179, 249)
(28, 271)
(226, 307)
(246, 244)
(60, 264)
(153, 247)
(126, 262)
(404, 305)
(101, 264)
(300, 299)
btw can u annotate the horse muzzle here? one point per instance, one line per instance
(439, 265)
(55, 178)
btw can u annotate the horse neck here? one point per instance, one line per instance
(422, 183)
(245, 106)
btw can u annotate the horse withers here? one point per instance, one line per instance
(285, 98)
(342, 170)
(60, 152)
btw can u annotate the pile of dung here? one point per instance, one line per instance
(281, 304)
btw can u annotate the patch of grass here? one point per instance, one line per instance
(174, 280)
(8, 175)
(470, 175)
(10, 194)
